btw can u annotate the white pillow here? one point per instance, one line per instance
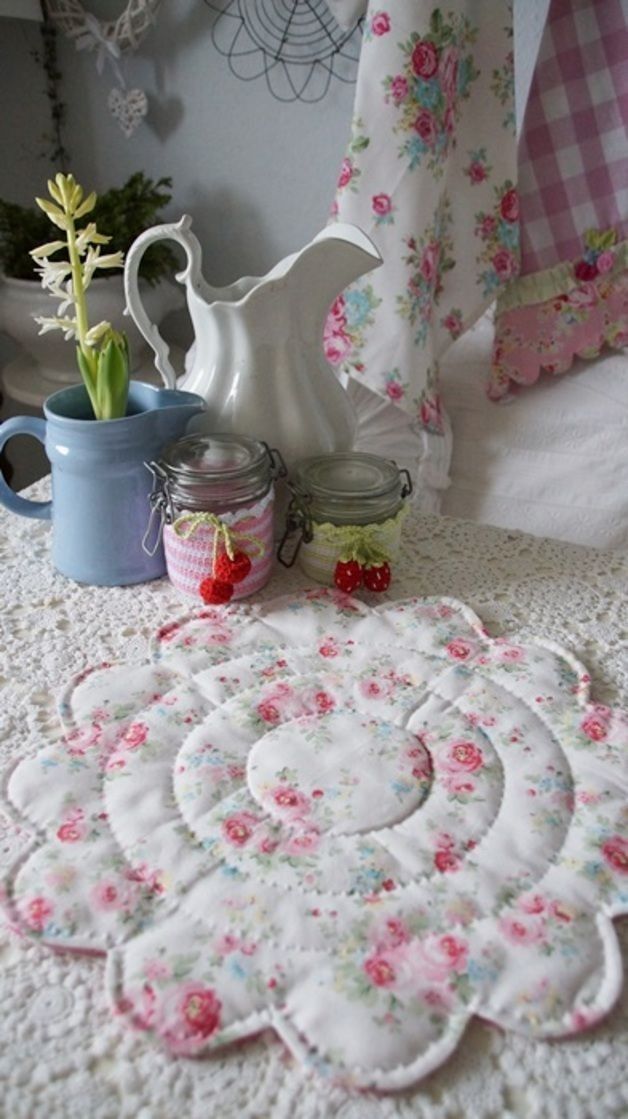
(554, 461)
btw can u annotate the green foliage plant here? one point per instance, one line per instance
(124, 212)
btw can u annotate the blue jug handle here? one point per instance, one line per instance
(23, 425)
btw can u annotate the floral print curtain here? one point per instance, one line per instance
(429, 173)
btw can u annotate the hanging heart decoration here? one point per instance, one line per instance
(109, 40)
(129, 107)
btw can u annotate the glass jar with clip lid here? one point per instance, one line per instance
(213, 500)
(344, 519)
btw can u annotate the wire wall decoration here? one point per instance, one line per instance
(295, 44)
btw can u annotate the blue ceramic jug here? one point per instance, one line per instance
(100, 485)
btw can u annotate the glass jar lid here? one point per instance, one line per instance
(350, 487)
(217, 470)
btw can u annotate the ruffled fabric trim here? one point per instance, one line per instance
(577, 319)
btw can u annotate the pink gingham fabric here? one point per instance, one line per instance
(573, 156)
(571, 296)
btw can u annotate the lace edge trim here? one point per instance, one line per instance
(538, 287)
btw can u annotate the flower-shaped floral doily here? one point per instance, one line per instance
(356, 826)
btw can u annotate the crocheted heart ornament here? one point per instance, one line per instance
(357, 826)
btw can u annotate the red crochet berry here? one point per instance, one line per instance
(215, 591)
(232, 570)
(348, 575)
(377, 577)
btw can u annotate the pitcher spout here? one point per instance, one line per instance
(337, 256)
(357, 254)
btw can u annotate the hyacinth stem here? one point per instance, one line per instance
(87, 360)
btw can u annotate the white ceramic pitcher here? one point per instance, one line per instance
(258, 358)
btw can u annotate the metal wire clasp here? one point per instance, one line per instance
(161, 507)
(298, 527)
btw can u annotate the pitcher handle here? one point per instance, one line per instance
(23, 425)
(175, 231)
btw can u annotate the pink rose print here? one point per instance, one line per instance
(267, 845)
(328, 648)
(449, 120)
(532, 903)
(509, 206)
(505, 264)
(303, 841)
(441, 955)
(381, 204)
(424, 59)
(449, 74)
(380, 971)
(487, 227)
(71, 832)
(268, 712)
(430, 411)
(337, 347)
(446, 860)
(615, 851)
(522, 932)
(476, 172)
(425, 126)
(324, 702)
(346, 173)
(374, 689)
(391, 934)
(605, 261)
(584, 296)
(107, 895)
(238, 829)
(560, 913)
(458, 786)
(394, 390)
(135, 736)
(460, 649)
(595, 723)
(284, 796)
(438, 999)
(188, 1016)
(157, 969)
(380, 23)
(463, 756)
(336, 317)
(429, 261)
(36, 913)
(200, 1010)
(398, 89)
(82, 738)
(453, 323)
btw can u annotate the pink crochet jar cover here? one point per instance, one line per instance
(189, 558)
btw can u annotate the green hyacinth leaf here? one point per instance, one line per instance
(113, 379)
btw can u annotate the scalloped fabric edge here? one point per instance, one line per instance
(577, 322)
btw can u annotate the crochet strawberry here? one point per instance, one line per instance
(348, 575)
(377, 577)
(215, 592)
(232, 570)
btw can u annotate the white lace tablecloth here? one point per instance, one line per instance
(62, 1055)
